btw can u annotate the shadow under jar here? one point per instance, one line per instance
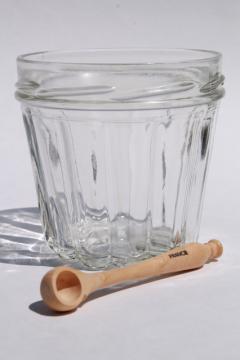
(120, 142)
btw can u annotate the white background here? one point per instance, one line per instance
(27, 26)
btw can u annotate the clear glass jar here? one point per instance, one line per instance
(120, 142)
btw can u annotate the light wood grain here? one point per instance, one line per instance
(64, 289)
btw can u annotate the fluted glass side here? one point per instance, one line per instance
(119, 186)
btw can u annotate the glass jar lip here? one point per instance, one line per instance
(120, 78)
(152, 56)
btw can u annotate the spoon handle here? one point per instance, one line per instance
(190, 256)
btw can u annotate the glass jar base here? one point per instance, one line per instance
(89, 262)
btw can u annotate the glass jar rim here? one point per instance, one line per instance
(120, 79)
(102, 56)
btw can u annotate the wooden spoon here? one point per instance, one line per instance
(64, 289)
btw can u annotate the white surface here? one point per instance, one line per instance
(194, 316)
(190, 316)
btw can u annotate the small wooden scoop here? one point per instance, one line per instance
(64, 289)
